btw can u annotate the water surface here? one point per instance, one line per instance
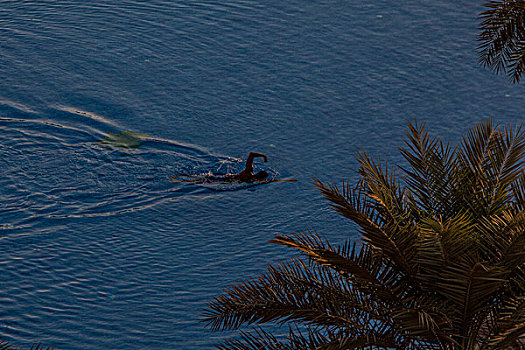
(98, 248)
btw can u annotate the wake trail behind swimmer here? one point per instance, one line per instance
(247, 175)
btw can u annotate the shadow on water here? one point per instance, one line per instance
(65, 162)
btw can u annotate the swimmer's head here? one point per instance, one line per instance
(261, 175)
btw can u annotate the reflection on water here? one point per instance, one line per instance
(124, 139)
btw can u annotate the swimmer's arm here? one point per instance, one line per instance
(255, 154)
(247, 172)
(249, 161)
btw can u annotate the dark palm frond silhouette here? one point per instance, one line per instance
(441, 263)
(8, 346)
(502, 37)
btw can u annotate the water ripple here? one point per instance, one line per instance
(55, 167)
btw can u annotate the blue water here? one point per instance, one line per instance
(98, 249)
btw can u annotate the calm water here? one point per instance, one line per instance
(98, 249)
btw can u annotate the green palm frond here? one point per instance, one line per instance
(502, 36)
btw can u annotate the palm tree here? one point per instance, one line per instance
(502, 37)
(441, 262)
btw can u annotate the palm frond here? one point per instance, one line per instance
(518, 189)
(514, 256)
(365, 341)
(491, 162)
(510, 327)
(313, 339)
(40, 347)
(473, 290)
(351, 204)
(474, 155)
(502, 35)
(512, 337)
(441, 243)
(441, 263)
(290, 292)
(8, 346)
(432, 165)
(379, 281)
(360, 266)
(257, 339)
(506, 165)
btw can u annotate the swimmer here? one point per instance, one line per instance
(247, 174)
